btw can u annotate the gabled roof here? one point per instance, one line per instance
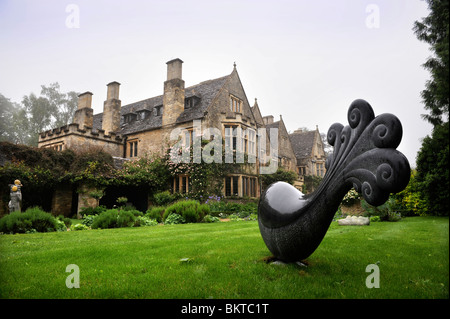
(257, 113)
(279, 125)
(205, 91)
(302, 143)
(273, 125)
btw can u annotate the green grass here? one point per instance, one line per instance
(225, 260)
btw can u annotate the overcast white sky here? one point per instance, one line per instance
(305, 60)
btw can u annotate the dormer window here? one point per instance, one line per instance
(235, 104)
(191, 101)
(188, 103)
(143, 114)
(158, 110)
(129, 117)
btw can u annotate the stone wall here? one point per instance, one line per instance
(73, 137)
(62, 201)
(86, 199)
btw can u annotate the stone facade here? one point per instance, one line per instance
(309, 151)
(286, 155)
(111, 109)
(84, 115)
(73, 137)
(143, 127)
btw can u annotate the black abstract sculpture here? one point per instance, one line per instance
(364, 157)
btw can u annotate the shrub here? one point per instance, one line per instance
(14, 223)
(125, 218)
(243, 214)
(107, 219)
(114, 218)
(203, 210)
(156, 213)
(280, 175)
(40, 220)
(78, 227)
(410, 199)
(32, 219)
(190, 210)
(386, 212)
(375, 219)
(233, 207)
(218, 206)
(234, 218)
(60, 226)
(351, 197)
(173, 219)
(121, 201)
(133, 211)
(211, 219)
(88, 220)
(163, 198)
(144, 221)
(67, 222)
(93, 210)
(190, 214)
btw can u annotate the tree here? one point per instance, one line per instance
(280, 175)
(434, 30)
(23, 123)
(432, 159)
(63, 105)
(38, 113)
(433, 172)
(327, 148)
(310, 183)
(7, 111)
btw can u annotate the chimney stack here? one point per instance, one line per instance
(174, 94)
(85, 100)
(268, 119)
(174, 69)
(84, 115)
(111, 109)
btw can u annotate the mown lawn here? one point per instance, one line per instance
(226, 260)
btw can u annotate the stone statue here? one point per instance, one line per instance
(16, 196)
(365, 157)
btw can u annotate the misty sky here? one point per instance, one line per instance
(305, 60)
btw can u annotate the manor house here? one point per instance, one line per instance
(132, 130)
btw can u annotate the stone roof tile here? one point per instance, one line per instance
(302, 143)
(206, 92)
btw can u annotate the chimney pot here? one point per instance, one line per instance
(84, 115)
(174, 69)
(113, 91)
(268, 119)
(85, 100)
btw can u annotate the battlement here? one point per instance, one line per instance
(72, 136)
(74, 128)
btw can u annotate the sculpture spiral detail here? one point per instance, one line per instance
(364, 157)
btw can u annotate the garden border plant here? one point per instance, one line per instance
(32, 220)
